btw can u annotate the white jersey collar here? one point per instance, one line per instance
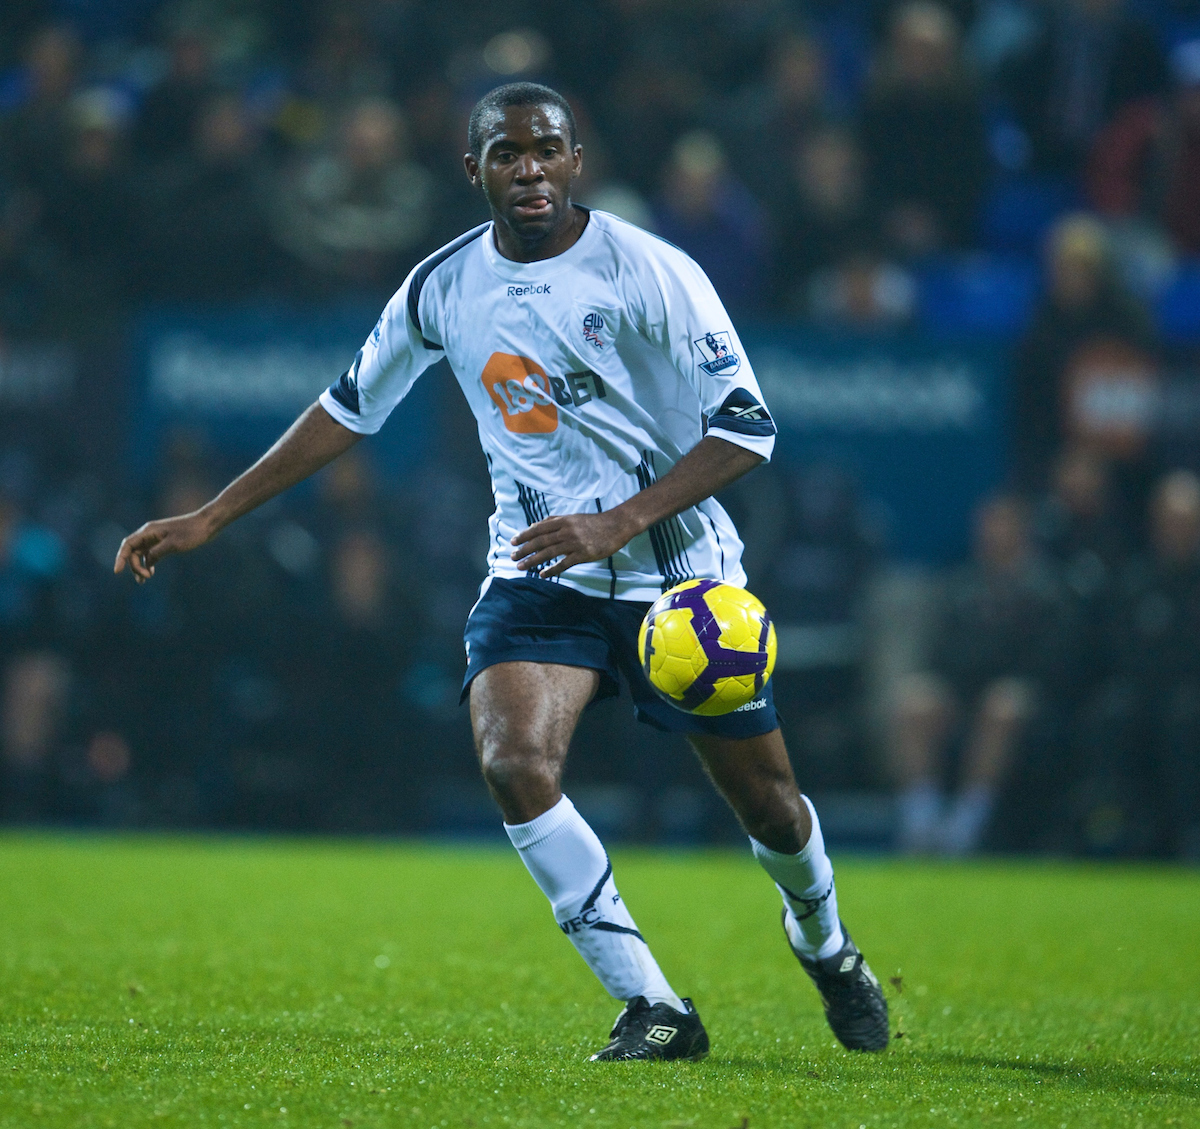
(543, 268)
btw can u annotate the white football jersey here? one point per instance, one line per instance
(590, 374)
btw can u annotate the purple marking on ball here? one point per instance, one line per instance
(722, 661)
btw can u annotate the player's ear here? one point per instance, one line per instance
(471, 164)
(576, 161)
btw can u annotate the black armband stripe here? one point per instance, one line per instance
(742, 414)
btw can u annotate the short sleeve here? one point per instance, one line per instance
(384, 369)
(687, 319)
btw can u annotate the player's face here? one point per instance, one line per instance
(526, 170)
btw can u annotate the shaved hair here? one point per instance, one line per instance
(514, 94)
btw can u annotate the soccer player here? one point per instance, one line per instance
(613, 399)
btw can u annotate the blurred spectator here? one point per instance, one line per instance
(1002, 642)
(205, 228)
(87, 209)
(776, 113)
(713, 217)
(600, 186)
(826, 548)
(108, 760)
(36, 673)
(33, 558)
(373, 629)
(438, 131)
(1090, 59)
(813, 574)
(360, 580)
(923, 134)
(1146, 161)
(652, 103)
(344, 66)
(33, 705)
(1181, 204)
(1150, 732)
(1075, 524)
(824, 219)
(1078, 529)
(865, 291)
(358, 213)
(171, 109)
(34, 132)
(1088, 334)
(26, 273)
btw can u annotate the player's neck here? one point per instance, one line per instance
(552, 243)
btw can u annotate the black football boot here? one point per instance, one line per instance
(658, 1031)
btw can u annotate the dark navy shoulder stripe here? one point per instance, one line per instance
(345, 389)
(422, 273)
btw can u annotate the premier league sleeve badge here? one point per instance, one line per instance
(718, 354)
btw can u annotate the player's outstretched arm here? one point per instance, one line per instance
(579, 538)
(312, 441)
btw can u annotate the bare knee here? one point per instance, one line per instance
(523, 715)
(522, 777)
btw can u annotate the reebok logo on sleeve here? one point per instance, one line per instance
(743, 414)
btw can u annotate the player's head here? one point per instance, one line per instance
(523, 153)
(492, 105)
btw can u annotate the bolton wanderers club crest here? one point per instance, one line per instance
(592, 324)
(719, 354)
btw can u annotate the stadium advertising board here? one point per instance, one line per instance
(918, 421)
(239, 377)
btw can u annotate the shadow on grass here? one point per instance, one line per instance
(1092, 1074)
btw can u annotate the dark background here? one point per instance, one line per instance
(961, 243)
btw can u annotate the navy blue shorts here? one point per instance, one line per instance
(531, 620)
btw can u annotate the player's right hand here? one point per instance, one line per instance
(145, 547)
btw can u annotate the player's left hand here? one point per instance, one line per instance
(569, 540)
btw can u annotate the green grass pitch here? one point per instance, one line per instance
(221, 982)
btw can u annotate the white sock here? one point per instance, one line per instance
(806, 883)
(570, 865)
(920, 817)
(968, 819)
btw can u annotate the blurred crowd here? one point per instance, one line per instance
(821, 160)
(1059, 702)
(299, 673)
(811, 155)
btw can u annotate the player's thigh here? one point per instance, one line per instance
(529, 710)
